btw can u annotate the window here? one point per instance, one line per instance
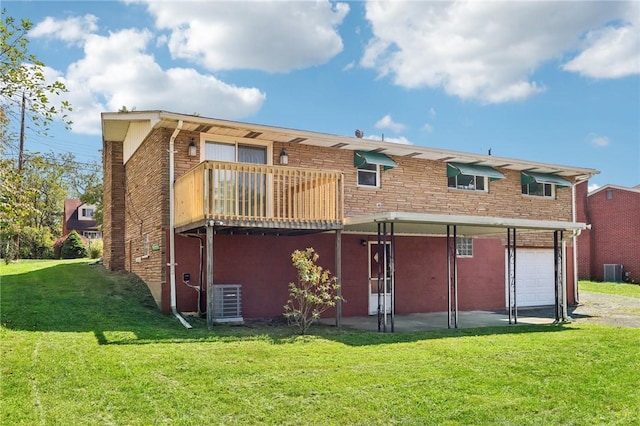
(464, 247)
(145, 245)
(92, 235)
(609, 194)
(369, 164)
(239, 192)
(542, 184)
(369, 175)
(468, 182)
(86, 213)
(471, 177)
(538, 189)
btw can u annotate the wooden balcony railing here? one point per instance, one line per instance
(259, 196)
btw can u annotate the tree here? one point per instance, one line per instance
(314, 293)
(93, 195)
(27, 200)
(22, 77)
(73, 247)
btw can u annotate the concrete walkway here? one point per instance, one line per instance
(438, 320)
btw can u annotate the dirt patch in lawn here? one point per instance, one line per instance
(607, 309)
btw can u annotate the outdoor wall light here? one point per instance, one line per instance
(284, 157)
(363, 243)
(192, 148)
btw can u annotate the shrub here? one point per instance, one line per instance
(73, 247)
(8, 250)
(36, 243)
(315, 292)
(95, 249)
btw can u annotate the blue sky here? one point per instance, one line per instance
(555, 82)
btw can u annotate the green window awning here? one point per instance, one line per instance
(530, 177)
(454, 169)
(374, 158)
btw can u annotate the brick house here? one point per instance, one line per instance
(614, 237)
(208, 211)
(78, 217)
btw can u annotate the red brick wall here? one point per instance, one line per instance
(615, 233)
(262, 266)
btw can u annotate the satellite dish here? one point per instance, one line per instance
(359, 133)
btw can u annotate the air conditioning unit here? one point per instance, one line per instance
(227, 303)
(613, 272)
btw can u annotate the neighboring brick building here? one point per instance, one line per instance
(614, 237)
(79, 217)
(245, 196)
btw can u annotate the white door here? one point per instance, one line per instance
(384, 298)
(535, 280)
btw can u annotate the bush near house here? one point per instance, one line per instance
(315, 292)
(95, 249)
(73, 247)
(57, 245)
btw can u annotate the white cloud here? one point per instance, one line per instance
(400, 140)
(485, 51)
(427, 128)
(117, 71)
(599, 141)
(387, 122)
(273, 36)
(611, 52)
(592, 187)
(432, 113)
(71, 30)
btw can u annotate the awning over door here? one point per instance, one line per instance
(454, 169)
(374, 158)
(530, 177)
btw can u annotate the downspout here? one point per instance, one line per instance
(574, 218)
(172, 237)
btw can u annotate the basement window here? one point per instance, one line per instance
(464, 247)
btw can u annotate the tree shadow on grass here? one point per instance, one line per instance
(117, 308)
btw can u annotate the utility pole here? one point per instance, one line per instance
(21, 153)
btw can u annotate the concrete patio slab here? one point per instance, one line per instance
(438, 320)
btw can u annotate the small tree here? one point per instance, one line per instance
(315, 292)
(73, 247)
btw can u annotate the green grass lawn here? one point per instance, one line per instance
(620, 289)
(83, 346)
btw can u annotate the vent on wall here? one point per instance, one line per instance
(227, 303)
(613, 272)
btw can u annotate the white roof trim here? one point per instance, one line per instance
(113, 129)
(621, 188)
(435, 224)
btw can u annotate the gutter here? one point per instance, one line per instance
(172, 236)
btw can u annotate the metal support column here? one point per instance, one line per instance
(338, 276)
(380, 282)
(452, 277)
(392, 275)
(511, 275)
(558, 260)
(210, 230)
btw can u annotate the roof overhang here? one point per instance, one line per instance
(115, 126)
(436, 224)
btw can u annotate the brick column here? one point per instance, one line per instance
(113, 206)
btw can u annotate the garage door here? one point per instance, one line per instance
(534, 278)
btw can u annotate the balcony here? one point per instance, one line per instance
(258, 198)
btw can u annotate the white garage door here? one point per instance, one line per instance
(535, 284)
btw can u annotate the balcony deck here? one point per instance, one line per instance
(255, 198)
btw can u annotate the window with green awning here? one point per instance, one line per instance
(363, 158)
(542, 178)
(454, 169)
